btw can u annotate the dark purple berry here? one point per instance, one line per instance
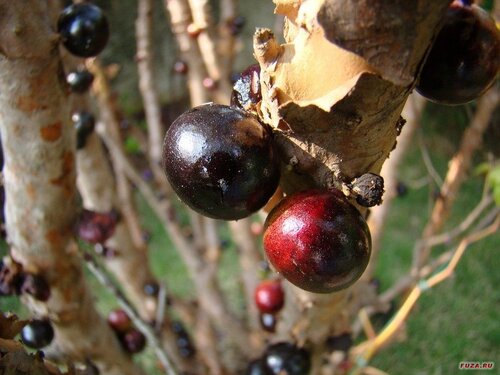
(133, 341)
(84, 124)
(220, 161)
(84, 29)
(268, 322)
(37, 334)
(401, 189)
(237, 24)
(257, 367)
(465, 57)
(96, 227)
(180, 67)
(151, 288)
(287, 359)
(80, 81)
(317, 240)
(246, 91)
(36, 286)
(185, 347)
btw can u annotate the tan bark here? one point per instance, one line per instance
(40, 184)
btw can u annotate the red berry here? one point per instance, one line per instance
(465, 57)
(269, 296)
(96, 227)
(317, 240)
(209, 83)
(119, 320)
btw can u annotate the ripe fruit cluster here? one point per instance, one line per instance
(465, 57)
(221, 162)
(131, 339)
(183, 341)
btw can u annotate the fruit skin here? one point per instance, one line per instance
(220, 161)
(96, 227)
(80, 81)
(84, 29)
(317, 240)
(84, 123)
(132, 341)
(287, 359)
(269, 296)
(119, 321)
(464, 59)
(37, 334)
(257, 367)
(268, 322)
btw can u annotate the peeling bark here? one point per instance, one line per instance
(39, 172)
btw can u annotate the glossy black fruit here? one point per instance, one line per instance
(37, 334)
(220, 161)
(287, 359)
(84, 124)
(257, 367)
(465, 57)
(80, 81)
(317, 240)
(84, 29)
(268, 322)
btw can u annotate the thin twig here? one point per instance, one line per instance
(145, 58)
(438, 180)
(140, 324)
(457, 169)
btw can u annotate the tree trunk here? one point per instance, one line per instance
(334, 94)
(39, 149)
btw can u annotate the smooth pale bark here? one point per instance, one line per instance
(39, 178)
